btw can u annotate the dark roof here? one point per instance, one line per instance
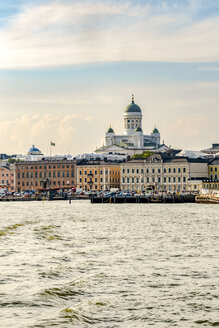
(215, 161)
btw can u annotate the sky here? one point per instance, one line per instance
(68, 70)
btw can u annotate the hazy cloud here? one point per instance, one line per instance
(67, 33)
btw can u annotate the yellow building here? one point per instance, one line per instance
(97, 175)
(213, 175)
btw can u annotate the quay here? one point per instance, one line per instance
(187, 198)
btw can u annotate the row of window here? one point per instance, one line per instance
(101, 180)
(37, 183)
(211, 169)
(158, 180)
(215, 177)
(211, 186)
(101, 172)
(45, 167)
(7, 182)
(12, 174)
(169, 170)
(53, 174)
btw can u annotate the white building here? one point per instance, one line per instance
(133, 140)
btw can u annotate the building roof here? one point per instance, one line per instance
(214, 149)
(132, 108)
(155, 130)
(110, 130)
(215, 161)
(34, 151)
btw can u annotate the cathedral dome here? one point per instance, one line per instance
(34, 151)
(110, 130)
(155, 130)
(132, 108)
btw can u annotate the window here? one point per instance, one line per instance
(164, 170)
(18, 175)
(95, 172)
(174, 170)
(85, 172)
(54, 174)
(123, 180)
(179, 179)
(184, 170)
(184, 179)
(36, 175)
(85, 180)
(127, 180)
(169, 170)
(63, 174)
(158, 170)
(127, 170)
(133, 180)
(169, 179)
(133, 170)
(137, 171)
(148, 180)
(123, 170)
(80, 173)
(179, 170)
(58, 174)
(106, 172)
(164, 179)
(153, 170)
(159, 179)
(142, 170)
(174, 179)
(27, 175)
(137, 180)
(95, 179)
(101, 172)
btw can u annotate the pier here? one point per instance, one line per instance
(182, 198)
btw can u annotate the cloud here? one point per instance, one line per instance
(209, 68)
(67, 33)
(20, 133)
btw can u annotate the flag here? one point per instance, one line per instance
(52, 143)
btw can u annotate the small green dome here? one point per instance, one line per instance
(132, 108)
(155, 130)
(138, 129)
(110, 130)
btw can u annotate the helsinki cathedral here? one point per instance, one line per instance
(133, 140)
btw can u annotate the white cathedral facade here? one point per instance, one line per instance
(133, 140)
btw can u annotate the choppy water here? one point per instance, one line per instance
(106, 265)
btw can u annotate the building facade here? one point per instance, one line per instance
(163, 172)
(97, 175)
(7, 177)
(212, 182)
(53, 174)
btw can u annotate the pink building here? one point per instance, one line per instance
(7, 177)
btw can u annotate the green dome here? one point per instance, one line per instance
(155, 130)
(132, 108)
(138, 129)
(110, 130)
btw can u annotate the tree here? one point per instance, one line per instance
(143, 155)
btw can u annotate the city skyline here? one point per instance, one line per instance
(68, 69)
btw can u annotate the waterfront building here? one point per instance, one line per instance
(133, 140)
(7, 177)
(213, 175)
(164, 172)
(47, 173)
(97, 175)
